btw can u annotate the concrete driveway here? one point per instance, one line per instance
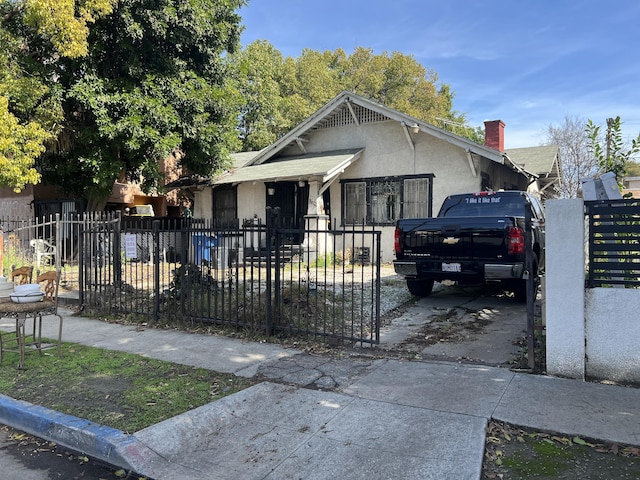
(471, 324)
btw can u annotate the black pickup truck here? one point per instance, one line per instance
(476, 238)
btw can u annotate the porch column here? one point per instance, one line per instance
(315, 205)
(316, 237)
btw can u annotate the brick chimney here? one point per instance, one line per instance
(494, 134)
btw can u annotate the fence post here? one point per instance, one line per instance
(57, 244)
(81, 265)
(529, 285)
(277, 232)
(186, 232)
(377, 239)
(269, 226)
(155, 227)
(117, 256)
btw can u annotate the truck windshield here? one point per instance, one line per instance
(495, 205)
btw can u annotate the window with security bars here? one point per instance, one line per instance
(355, 204)
(225, 207)
(416, 198)
(383, 201)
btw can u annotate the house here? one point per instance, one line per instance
(35, 201)
(43, 201)
(357, 162)
(544, 162)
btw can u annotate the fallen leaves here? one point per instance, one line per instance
(501, 435)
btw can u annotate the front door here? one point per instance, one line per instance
(292, 198)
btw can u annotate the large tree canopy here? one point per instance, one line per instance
(34, 35)
(112, 87)
(146, 79)
(276, 93)
(153, 82)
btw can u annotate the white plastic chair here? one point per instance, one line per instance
(44, 253)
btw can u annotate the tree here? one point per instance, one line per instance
(34, 34)
(64, 22)
(633, 169)
(612, 154)
(153, 83)
(281, 92)
(576, 161)
(119, 85)
(257, 72)
(20, 145)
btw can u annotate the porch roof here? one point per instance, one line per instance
(324, 165)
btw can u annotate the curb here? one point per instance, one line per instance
(100, 442)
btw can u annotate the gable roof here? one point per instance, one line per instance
(347, 108)
(539, 160)
(355, 109)
(543, 161)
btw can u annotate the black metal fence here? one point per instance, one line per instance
(613, 243)
(264, 277)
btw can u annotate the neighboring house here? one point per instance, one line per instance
(631, 186)
(37, 201)
(544, 162)
(125, 195)
(357, 162)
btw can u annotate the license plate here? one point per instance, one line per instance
(451, 267)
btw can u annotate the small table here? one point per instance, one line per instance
(22, 311)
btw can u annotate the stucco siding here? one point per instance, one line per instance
(202, 203)
(251, 200)
(613, 334)
(564, 288)
(388, 153)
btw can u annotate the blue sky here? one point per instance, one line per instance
(527, 63)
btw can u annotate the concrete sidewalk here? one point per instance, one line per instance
(383, 418)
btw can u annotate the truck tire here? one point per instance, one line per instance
(420, 288)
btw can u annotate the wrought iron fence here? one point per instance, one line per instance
(265, 277)
(613, 243)
(47, 242)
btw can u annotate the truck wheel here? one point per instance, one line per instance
(420, 288)
(520, 291)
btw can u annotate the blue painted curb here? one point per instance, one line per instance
(104, 443)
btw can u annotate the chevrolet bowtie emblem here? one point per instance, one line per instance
(450, 240)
